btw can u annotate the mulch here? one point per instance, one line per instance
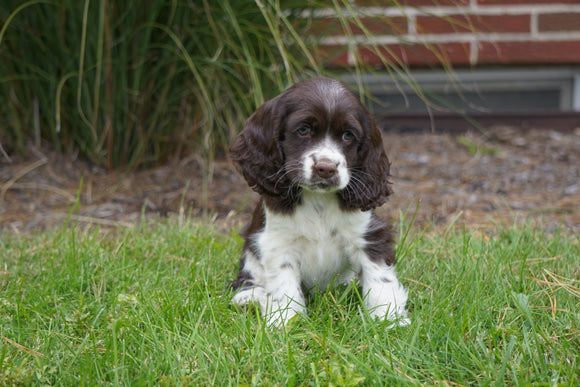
(505, 176)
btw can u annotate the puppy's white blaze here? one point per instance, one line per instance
(330, 92)
(328, 149)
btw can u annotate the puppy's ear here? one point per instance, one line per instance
(258, 153)
(369, 185)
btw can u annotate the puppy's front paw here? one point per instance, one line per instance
(391, 313)
(249, 295)
(279, 313)
(279, 318)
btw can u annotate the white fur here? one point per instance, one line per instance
(318, 245)
(330, 93)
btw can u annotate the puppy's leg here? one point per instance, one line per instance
(385, 297)
(250, 281)
(284, 294)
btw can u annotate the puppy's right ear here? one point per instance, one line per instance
(257, 151)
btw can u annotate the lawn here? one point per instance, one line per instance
(149, 306)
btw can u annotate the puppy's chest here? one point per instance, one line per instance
(319, 237)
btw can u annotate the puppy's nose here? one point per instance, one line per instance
(325, 168)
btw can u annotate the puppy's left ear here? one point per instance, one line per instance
(369, 185)
(258, 154)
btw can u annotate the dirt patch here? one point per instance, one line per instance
(509, 176)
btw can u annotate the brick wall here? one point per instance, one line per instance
(459, 32)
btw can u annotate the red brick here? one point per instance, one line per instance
(411, 3)
(384, 25)
(375, 25)
(331, 56)
(506, 2)
(417, 54)
(486, 23)
(559, 22)
(529, 52)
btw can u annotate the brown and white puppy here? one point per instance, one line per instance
(316, 157)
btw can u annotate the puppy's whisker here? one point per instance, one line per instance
(348, 190)
(359, 186)
(275, 173)
(287, 169)
(358, 171)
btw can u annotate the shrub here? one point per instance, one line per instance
(135, 83)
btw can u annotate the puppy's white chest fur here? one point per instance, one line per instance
(318, 239)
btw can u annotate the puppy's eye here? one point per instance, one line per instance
(347, 137)
(304, 131)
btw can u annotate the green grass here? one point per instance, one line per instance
(474, 148)
(149, 306)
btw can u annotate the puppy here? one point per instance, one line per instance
(316, 157)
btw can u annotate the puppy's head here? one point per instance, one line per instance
(314, 136)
